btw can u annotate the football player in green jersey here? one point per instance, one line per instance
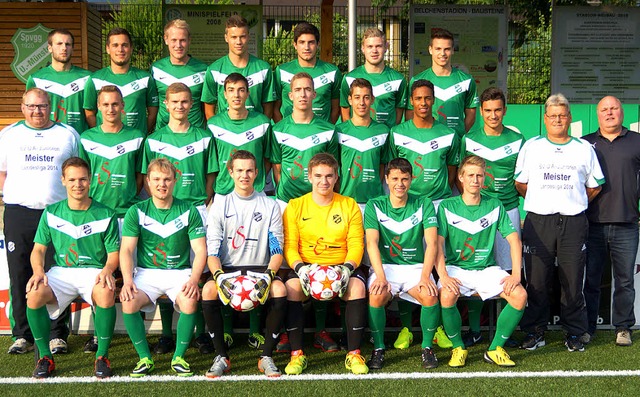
(326, 76)
(499, 147)
(179, 67)
(389, 86)
(162, 229)
(467, 226)
(63, 81)
(84, 235)
(258, 72)
(397, 228)
(137, 86)
(456, 97)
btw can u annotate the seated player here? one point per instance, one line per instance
(163, 229)
(325, 228)
(397, 227)
(244, 233)
(84, 235)
(467, 226)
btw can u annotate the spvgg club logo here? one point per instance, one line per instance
(484, 223)
(74, 87)
(257, 216)
(159, 256)
(135, 85)
(71, 257)
(356, 169)
(86, 230)
(418, 168)
(488, 178)
(395, 249)
(190, 150)
(196, 78)
(104, 174)
(468, 250)
(297, 170)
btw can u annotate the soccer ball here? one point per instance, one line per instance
(324, 283)
(244, 297)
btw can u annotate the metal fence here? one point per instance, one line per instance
(529, 72)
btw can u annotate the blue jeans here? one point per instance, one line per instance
(619, 242)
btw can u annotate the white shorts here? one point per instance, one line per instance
(158, 282)
(485, 282)
(501, 249)
(67, 283)
(402, 278)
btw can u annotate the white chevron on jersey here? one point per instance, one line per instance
(111, 152)
(472, 227)
(79, 231)
(362, 145)
(399, 227)
(163, 230)
(285, 76)
(239, 139)
(303, 143)
(167, 79)
(444, 94)
(218, 77)
(257, 77)
(496, 154)
(319, 81)
(127, 89)
(424, 147)
(179, 153)
(386, 88)
(63, 90)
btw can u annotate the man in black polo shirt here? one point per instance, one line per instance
(613, 220)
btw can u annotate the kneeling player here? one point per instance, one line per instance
(467, 226)
(244, 233)
(397, 227)
(325, 228)
(162, 228)
(84, 235)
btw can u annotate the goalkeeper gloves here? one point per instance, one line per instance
(225, 287)
(302, 270)
(345, 271)
(263, 285)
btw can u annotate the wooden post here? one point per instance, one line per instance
(326, 31)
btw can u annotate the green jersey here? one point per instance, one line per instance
(389, 90)
(66, 91)
(164, 235)
(500, 153)
(257, 72)
(453, 94)
(193, 154)
(192, 75)
(114, 160)
(401, 230)
(470, 230)
(326, 82)
(292, 147)
(138, 91)
(80, 238)
(362, 151)
(430, 151)
(252, 134)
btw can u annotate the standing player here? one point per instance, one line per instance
(389, 86)
(191, 150)
(84, 235)
(162, 229)
(31, 156)
(456, 97)
(63, 81)
(325, 228)
(258, 73)
(499, 147)
(467, 226)
(137, 86)
(326, 77)
(179, 67)
(397, 228)
(114, 153)
(244, 233)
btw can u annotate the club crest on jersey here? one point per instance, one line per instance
(196, 78)
(315, 139)
(433, 144)
(414, 219)
(86, 229)
(74, 87)
(323, 79)
(337, 219)
(190, 150)
(484, 223)
(250, 81)
(388, 87)
(375, 141)
(508, 149)
(257, 216)
(178, 223)
(249, 135)
(458, 88)
(135, 85)
(120, 149)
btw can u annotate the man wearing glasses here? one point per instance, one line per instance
(31, 156)
(557, 175)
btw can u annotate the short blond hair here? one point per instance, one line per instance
(162, 165)
(373, 32)
(177, 88)
(38, 91)
(471, 160)
(178, 24)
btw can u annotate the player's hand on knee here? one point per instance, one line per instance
(345, 271)
(106, 279)
(428, 286)
(191, 290)
(128, 291)
(302, 270)
(263, 285)
(35, 280)
(510, 283)
(379, 286)
(451, 284)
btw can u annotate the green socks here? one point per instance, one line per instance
(429, 322)
(40, 325)
(166, 318)
(405, 311)
(186, 324)
(507, 322)
(377, 322)
(452, 323)
(105, 321)
(137, 333)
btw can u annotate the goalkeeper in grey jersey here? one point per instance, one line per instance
(244, 234)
